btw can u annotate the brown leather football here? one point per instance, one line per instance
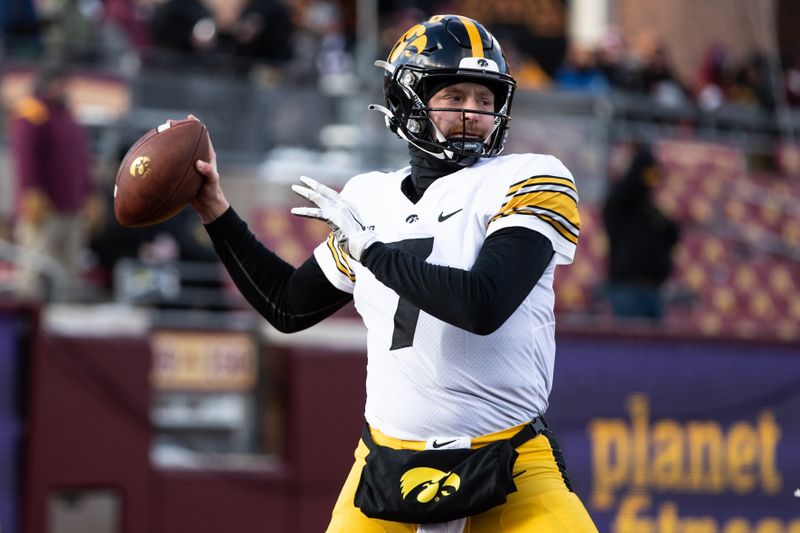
(157, 177)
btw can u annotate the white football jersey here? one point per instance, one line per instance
(426, 377)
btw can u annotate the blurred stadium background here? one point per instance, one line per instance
(153, 400)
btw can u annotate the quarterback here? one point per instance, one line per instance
(450, 263)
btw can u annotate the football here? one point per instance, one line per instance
(157, 177)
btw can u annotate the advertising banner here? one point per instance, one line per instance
(668, 436)
(204, 361)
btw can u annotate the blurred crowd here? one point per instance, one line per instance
(231, 35)
(306, 38)
(644, 67)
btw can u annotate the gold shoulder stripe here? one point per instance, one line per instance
(346, 261)
(341, 264)
(556, 201)
(474, 36)
(559, 228)
(565, 228)
(571, 225)
(555, 224)
(31, 109)
(551, 199)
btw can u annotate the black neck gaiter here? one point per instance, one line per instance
(425, 169)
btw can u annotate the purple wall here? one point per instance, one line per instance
(659, 435)
(10, 426)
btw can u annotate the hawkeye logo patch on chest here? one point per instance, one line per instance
(429, 484)
(412, 218)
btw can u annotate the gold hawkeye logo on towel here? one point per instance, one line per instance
(434, 483)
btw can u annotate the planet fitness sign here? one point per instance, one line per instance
(680, 437)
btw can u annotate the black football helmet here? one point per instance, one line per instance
(441, 51)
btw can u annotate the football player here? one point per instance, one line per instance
(450, 263)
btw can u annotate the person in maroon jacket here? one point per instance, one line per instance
(53, 179)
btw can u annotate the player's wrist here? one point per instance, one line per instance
(359, 242)
(211, 211)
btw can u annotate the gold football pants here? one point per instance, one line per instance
(542, 502)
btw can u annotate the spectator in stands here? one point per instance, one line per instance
(641, 239)
(255, 30)
(658, 78)
(753, 83)
(616, 63)
(19, 28)
(73, 30)
(179, 25)
(52, 159)
(791, 77)
(80, 33)
(323, 50)
(581, 71)
(132, 18)
(714, 78)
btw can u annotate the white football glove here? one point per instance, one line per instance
(350, 231)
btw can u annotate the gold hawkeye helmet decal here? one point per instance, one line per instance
(140, 166)
(412, 42)
(434, 483)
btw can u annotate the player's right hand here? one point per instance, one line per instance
(210, 201)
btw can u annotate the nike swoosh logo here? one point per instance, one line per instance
(443, 217)
(437, 444)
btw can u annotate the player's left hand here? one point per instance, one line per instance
(348, 227)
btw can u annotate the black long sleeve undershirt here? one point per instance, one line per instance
(480, 300)
(291, 299)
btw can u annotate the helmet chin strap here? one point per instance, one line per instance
(438, 133)
(443, 155)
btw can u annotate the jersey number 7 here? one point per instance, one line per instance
(407, 314)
